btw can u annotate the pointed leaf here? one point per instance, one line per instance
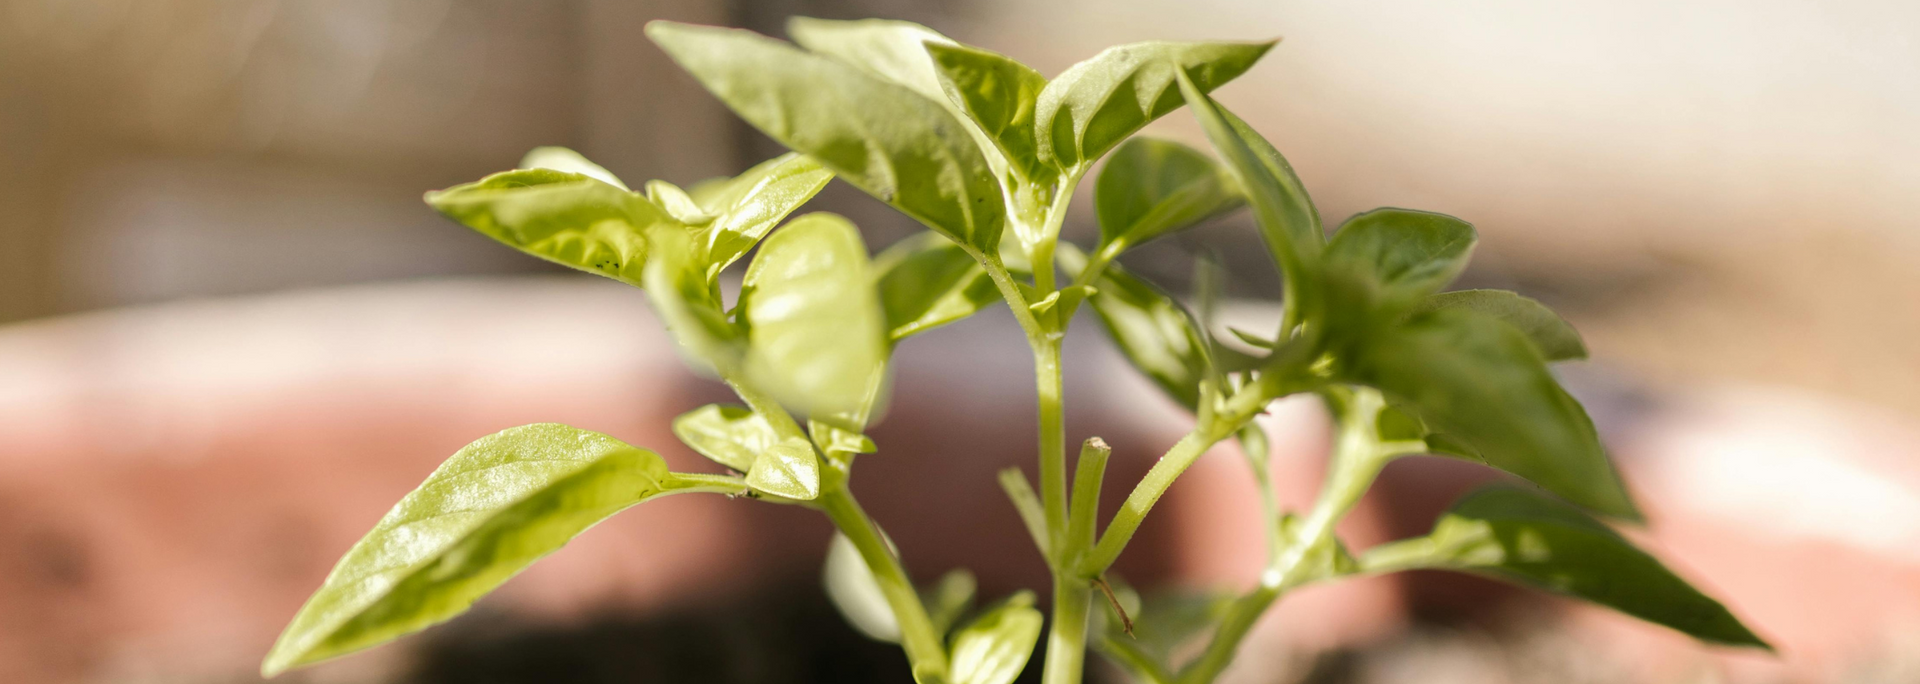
(1152, 187)
(894, 143)
(566, 218)
(927, 281)
(891, 50)
(1404, 254)
(816, 332)
(568, 161)
(747, 206)
(994, 647)
(789, 469)
(1520, 536)
(1553, 335)
(1482, 382)
(949, 598)
(1095, 104)
(733, 436)
(677, 203)
(998, 94)
(491, 510)
(1288, 222)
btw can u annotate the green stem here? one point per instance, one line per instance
(1053, 438)
(917, 636)
(1067, 640)
(1084, 509)
(1145, 495)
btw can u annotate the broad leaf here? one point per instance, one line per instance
(927, 281)
(1516, 535)
(789, 469)
(889, 140)
(994, 647)
(1095, 104)
(1154, 332)
(1404, 254)
(894, 51)
(998, 94)
(1152, 187)
(688, 303)
(733, 436)
(677, 203)
(747, 206)
(1287, 219)
(491, 510)
(816, 333)
(566, 218)
(1482, 382)
(568, 161)
(1555, 338)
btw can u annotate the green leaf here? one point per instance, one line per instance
(998, 94)
(1326, 560)
(1155, 333)
(677, 203)
(994, 647)
(688, 303)
(1095, 104)
(568, 161)
(1552, 335)
(789, 469)
(1164, 621)
(1482, 382)
(816, 333)
(1288, 222)
(733, 436)
(949, 598)
(1404, 254)
(927, 281)
(891, 50)
(491, 510)
(856, 594)
(746, 207)
(836, 440)
(566, 218)
(1152, 187)
(889, 140)
(1517, 535)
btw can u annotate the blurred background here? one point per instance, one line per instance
(231, 335)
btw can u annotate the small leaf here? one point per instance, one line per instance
(1516, 535)
(833, 439)
(1251, 339)
(816, 333)
(733, 436)
(1288, 222)
(949, 598)
(688, 303)
(896, 144)
(1482, 382)
(1095, 104)
(789, 469)
(998, 94)
(854, 591)
(746, 207)
(568, 161)
(677, 203)
(994, 647)
(1152, 187)
(566, 218)
(1553, 335)
(491, 510)
(927, 281)
(1154, 332)
(1404, 254)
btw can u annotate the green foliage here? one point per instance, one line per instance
(491, 510)
(1516, 535)
(987, 152)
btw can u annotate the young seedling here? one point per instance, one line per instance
(986, 153)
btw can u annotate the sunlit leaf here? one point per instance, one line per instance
(566, 218)
(816, 333)
(889, 140)
(747, 206)
(688, 303)
(733, 436)
(789, 469)
(854, 591)
(1517, 535)
(1404, 255)
(568, 161)
(998, 94)
(491, 510)
(1152, 330)
(927, 281)
(1095, 104)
